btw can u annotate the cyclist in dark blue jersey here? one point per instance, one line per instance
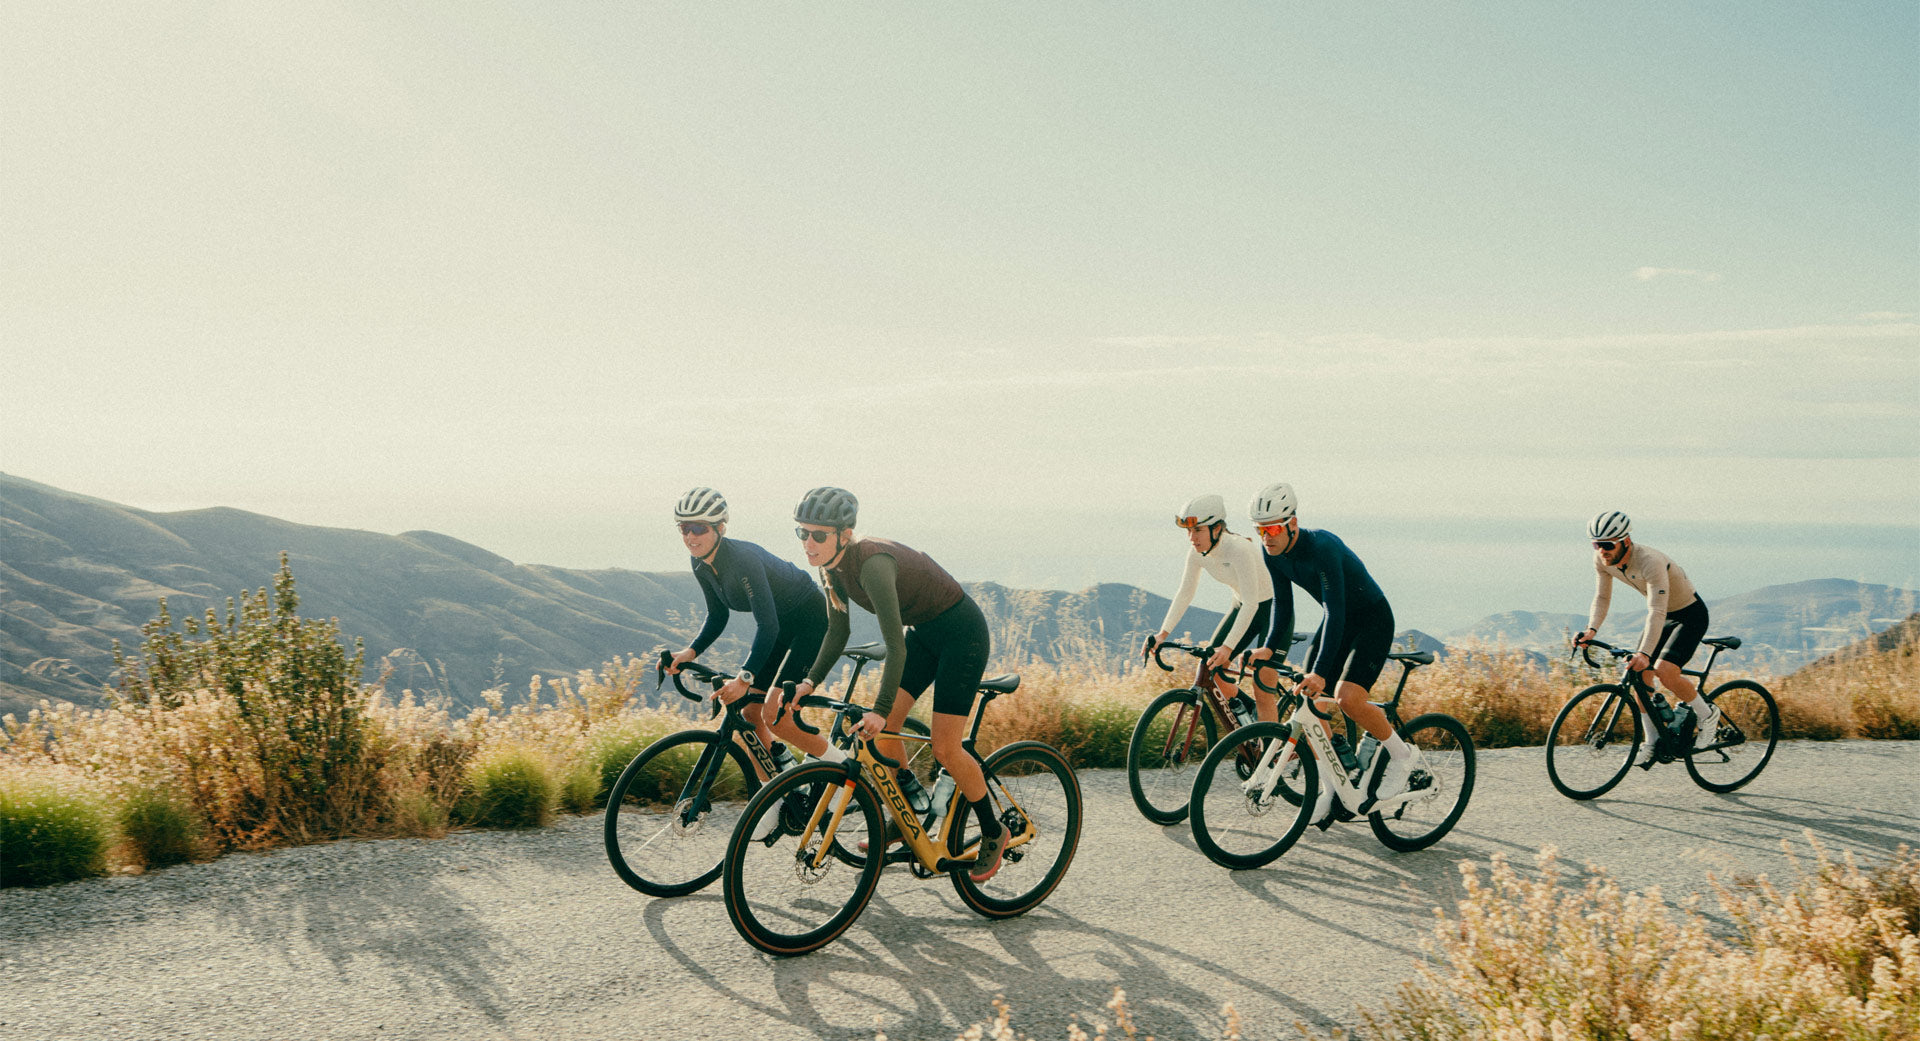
(789, 616)
(1354, 639)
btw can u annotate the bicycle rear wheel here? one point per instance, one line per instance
(1245, 824)
(665, 837)
(1592, 741)
(1170, 739)
(1749, 729)
(1034, 792)
(1446, 771)
(783, 896)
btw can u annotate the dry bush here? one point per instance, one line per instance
(1870, 692)
(1529, 959)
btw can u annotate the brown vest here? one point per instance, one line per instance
(925, 589)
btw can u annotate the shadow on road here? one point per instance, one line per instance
(929, 974)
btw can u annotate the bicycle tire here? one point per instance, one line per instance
(1160, 761)
(1751, 711)
(1026, 781)
(654, 848)
(1592, 742)
(1447, 757)
(1240, 830)
(774, 895)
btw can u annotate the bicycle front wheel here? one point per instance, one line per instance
(1592, 741)
(1445, 772)
(670, 814)
(1035, 793)
(1247, 824)
(1170, 739)
(784, 894)
(1749, 728)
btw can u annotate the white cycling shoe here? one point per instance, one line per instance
(1393, 780)
(1706, 730)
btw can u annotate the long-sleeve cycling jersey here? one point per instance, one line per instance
(745, 577)
(1322, 565)
(1651, 573)
(1235, 561)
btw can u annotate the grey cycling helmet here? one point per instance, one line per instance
(1610, 525)
(703, 505)
(833, 507)
(1274, 505)
(1202, 511)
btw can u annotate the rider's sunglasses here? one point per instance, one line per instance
(1187, 522)
(817, 536)
(1604, 545)
(1270, 529)
(694, 528)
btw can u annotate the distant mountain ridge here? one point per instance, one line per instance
(450, 618)
(447, 617)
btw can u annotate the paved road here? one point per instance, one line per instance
(529, 936)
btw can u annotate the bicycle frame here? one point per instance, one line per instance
(1644, 693)
(878, 771)
(1305, 722)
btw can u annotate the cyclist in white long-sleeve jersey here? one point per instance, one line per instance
(1676, 618)
(1237, 563)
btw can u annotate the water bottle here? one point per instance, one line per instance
(782, 758)
(942, 791)
(1243, 711)
(1368, 746)
(1345, 753)
(1665, 708)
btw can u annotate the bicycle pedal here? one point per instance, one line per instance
(900, 855)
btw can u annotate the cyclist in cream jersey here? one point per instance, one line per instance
(1676, 617)
(1235, 561)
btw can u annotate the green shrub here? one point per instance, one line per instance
(614, 745)
(580, 788)
(53, 828)
(1094, 736)
(511, 788)
(297, 766)
(160, 827)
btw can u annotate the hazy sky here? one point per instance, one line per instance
(1023, 276)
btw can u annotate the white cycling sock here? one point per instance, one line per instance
(1397, 747)
(833, 754)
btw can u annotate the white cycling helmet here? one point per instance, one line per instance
(1203, 511)
(1610, 525)
(1275, 504)
(703, 505)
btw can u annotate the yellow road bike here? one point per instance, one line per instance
(797, 889)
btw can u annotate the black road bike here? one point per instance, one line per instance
(672, 811)
(1595, 737)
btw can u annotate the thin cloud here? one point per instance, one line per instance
(1648, 274)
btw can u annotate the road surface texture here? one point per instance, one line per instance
(488, 935)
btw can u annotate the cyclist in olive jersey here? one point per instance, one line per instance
(1354, 638)
(789, 616)
(1235, 562)
(1676, 619)
(935, 635)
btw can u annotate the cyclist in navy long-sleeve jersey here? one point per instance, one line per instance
(1354, 639)
(789, 615)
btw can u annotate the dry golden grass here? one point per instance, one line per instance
(1534, 958)
(1869, 692)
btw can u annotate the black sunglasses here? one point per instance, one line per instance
(817, 536)
(1604, 546)
(694, 528)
